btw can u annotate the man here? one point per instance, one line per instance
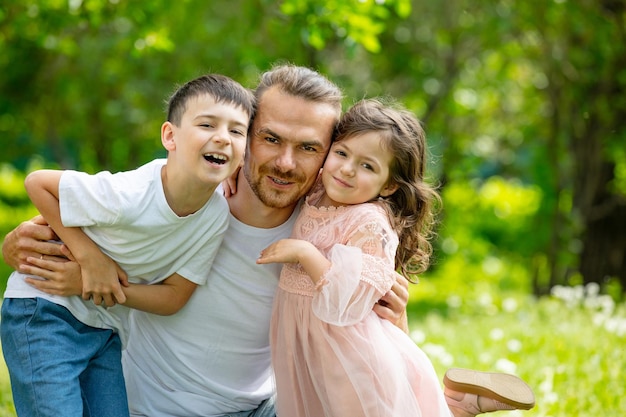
(213, 357)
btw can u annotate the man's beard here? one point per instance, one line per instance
(271, 197)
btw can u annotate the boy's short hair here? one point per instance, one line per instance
(222, 88)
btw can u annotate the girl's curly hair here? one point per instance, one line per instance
(411, 207)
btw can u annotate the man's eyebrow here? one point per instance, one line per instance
(269, 132)
(313, 143)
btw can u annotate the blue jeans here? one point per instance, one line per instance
(58, 365)
(266, 409)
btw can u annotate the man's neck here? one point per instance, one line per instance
(248, 209)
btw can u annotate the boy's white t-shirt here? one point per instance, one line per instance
(127, 216)
(213, 356)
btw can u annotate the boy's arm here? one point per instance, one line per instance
(164, 298)
(101, 281)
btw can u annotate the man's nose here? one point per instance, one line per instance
(286, 161)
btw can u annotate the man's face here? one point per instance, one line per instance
(289, 140)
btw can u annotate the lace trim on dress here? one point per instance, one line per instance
(293, 279)
(364, 227)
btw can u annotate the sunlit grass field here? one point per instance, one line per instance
(570, 347)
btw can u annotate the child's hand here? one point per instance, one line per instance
(296, 251)
(61, 276)
(285, 250)
(101, 280)
(229, 185)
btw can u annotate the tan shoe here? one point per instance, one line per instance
(508, 391)
(469, 404)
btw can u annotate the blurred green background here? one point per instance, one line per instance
(523, 102)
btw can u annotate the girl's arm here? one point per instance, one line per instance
(299, 251)
(101, 281)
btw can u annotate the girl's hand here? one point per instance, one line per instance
(296, 251)
(285, 251)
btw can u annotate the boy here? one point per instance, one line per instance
(162, 223)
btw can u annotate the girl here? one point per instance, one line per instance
(369, 214)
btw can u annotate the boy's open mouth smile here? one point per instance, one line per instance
(216, 158)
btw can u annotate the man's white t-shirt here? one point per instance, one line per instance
(213, 356)
(127, 216)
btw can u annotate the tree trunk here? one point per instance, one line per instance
(604, 238)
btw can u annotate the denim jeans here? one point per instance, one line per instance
(266, 409)
(58, 365)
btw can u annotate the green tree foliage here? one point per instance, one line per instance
(527, 90)
(523, 103)
(357, 22)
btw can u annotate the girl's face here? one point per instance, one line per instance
(357, 170)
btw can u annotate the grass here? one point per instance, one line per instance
(570, 347)
(6, 399)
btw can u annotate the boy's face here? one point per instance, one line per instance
(210, 142)
(289, 140)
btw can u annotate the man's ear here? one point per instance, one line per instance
(388, 189)
(167, 136)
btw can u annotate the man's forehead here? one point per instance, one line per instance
(275, 101)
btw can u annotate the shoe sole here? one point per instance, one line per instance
(505, 388)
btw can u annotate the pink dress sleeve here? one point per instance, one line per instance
(361, 272)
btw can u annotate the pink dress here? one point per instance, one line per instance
(332, 355)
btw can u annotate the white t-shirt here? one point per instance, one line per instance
(127, 216)
(213, 356)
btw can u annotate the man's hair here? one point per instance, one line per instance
(222, 88)
(301, 82)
